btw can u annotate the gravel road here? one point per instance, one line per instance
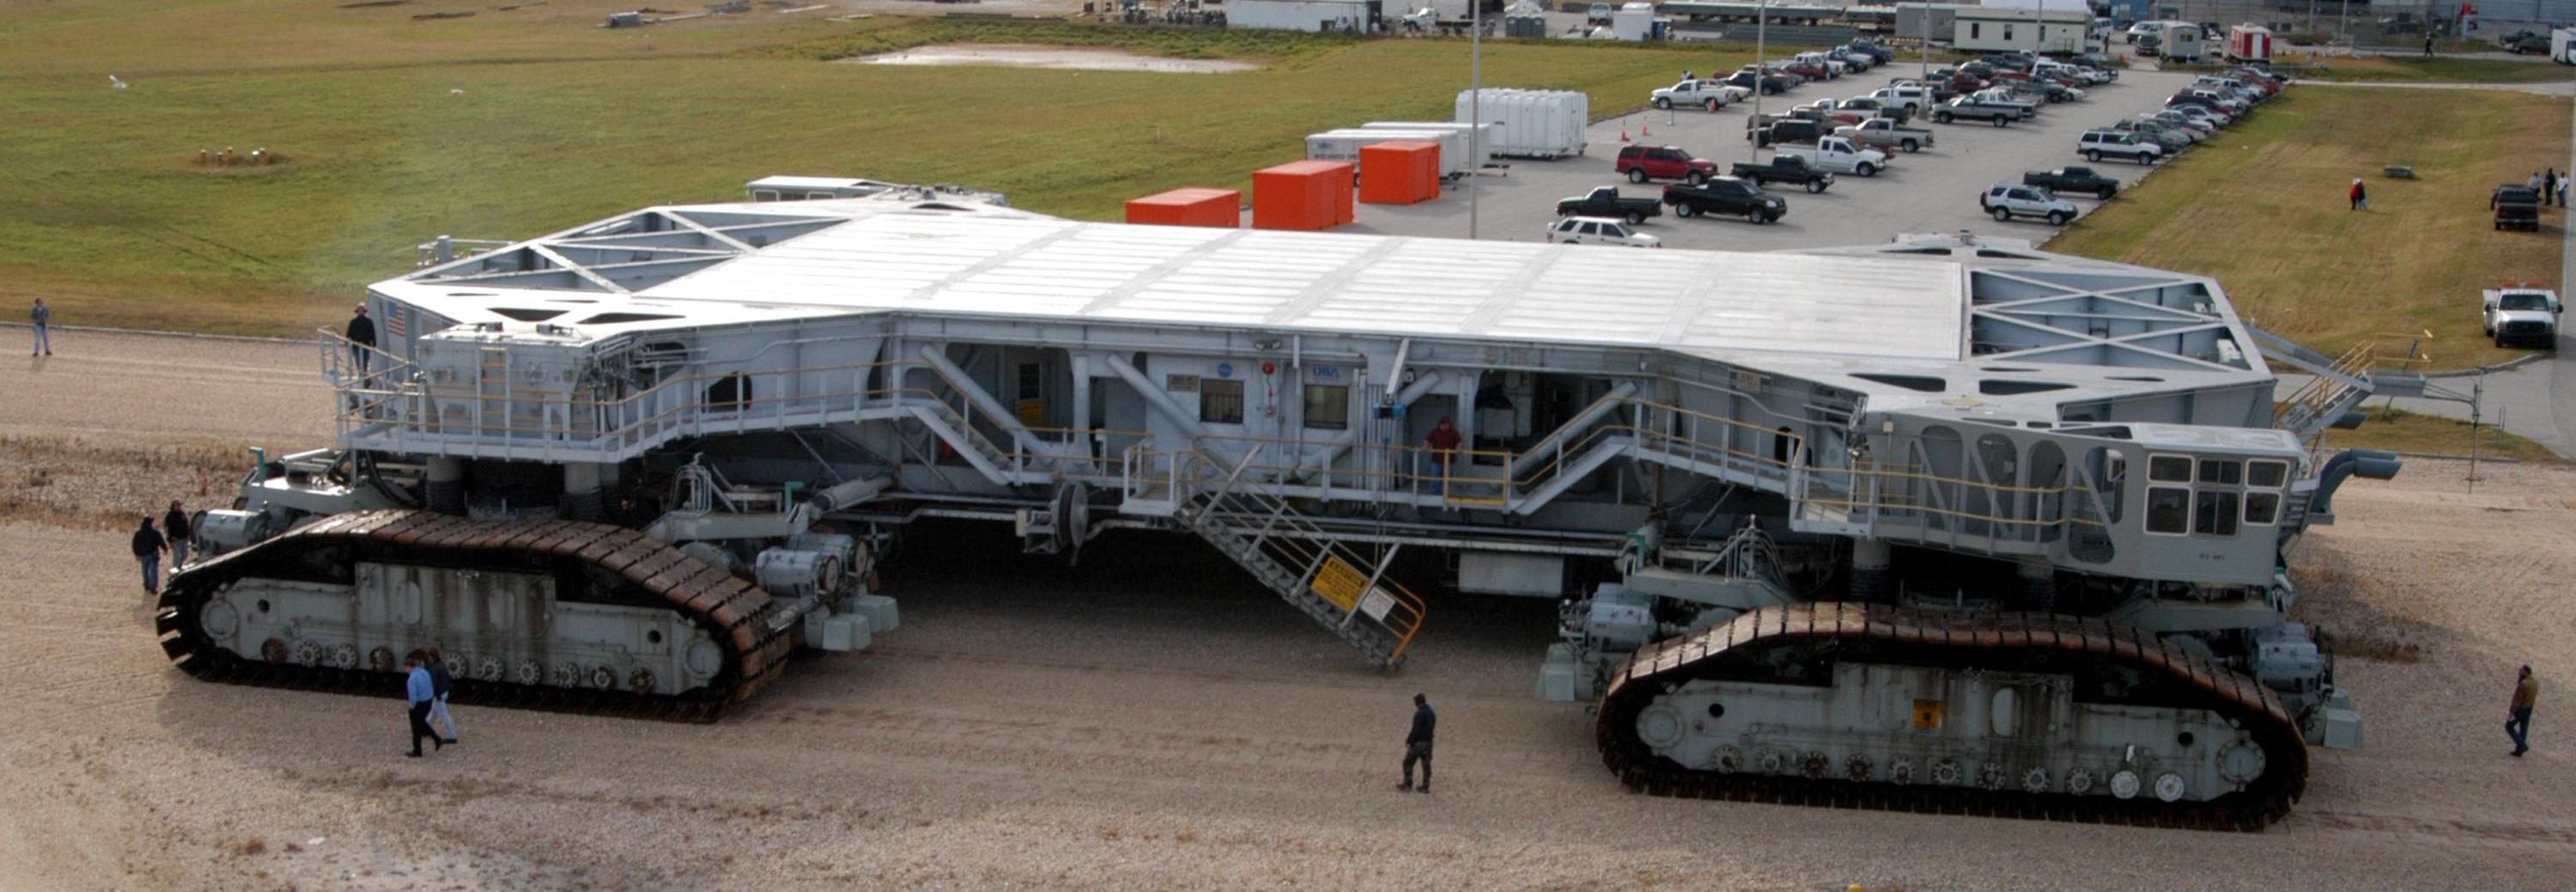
(1151, 720)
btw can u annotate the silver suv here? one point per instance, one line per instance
(2095, 144)
(2007, 200)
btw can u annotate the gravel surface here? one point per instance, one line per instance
(1151, 720)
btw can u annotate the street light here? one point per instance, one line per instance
(1761, 69)
(1475, 104)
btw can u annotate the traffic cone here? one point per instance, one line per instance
(1645, 126)
(1623, 130)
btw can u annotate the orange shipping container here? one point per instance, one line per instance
(1400, 172)
(1302, 195)
(1191, 206)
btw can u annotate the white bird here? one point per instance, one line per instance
(113, 82)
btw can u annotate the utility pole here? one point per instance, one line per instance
(1761, 69)
(1927, 51)
(1475, 105)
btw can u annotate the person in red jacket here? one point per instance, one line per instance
(2360, 198)
(1443, 441)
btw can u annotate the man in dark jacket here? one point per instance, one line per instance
(362, 339)
(176, 522)
(148, 546)
(439, 683)
(1417, 745)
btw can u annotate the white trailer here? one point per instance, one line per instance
(1532, 123)
(1635, 22)
(1303, 15)
(2562, 46)
(1345, 145)
(2181, 42)
(1478, 151)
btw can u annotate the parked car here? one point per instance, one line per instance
(1783, 169)
(2057, 92)
(2006, 201)
(1873, 106)
(1830, 113)
(2099, 144)
(1642, 163)
(2178, 122)
(2523, 314)
(1598, 14)
(1607, 202)
(2064, 180)
(1771, 86)
(1789, 130)
(2172, 141)
(2517, 206)
(1814, 71)
(1881, 133)
(1725, 197)
(1839, 155)
(1913, 98)
(2026, 108)
(1599, 231)
(1699, 93)
(1882, 54)
(1970, 108)
(1833, 67)
(1857, 60)
(2525, 41)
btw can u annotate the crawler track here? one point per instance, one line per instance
(629, 566)
(1997, 640)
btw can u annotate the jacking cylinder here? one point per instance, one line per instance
(581, 489)
(1870, 560)
(446, 484)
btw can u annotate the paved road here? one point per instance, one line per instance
(1930, 191)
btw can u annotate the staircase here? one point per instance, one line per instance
(953, 428)
(1337, 588)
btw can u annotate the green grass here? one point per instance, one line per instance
(2262, 208)
(2403, 431)
(2437, 68)
(519, 123)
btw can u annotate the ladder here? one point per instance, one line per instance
(1336, 587)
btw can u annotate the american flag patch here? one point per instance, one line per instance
(394, 321)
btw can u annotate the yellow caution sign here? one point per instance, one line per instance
(1339, 582)
(1927, 714)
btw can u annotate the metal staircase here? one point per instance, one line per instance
(1336, 587)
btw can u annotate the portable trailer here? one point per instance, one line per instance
(2031, 566)
(1531, 123)
(1479, 146)
(1345, 145)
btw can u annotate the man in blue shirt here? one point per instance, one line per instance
(1417, 744)
(422, 692)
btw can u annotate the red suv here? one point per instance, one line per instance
(1642, 163)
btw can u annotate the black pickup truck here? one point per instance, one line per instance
(1607, 202)
(1781, 169)
(2517, 206)
(1787, 130)
(1725, 197)
(2078, 180)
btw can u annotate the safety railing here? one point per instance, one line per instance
(1312, 561)
(2304, 407)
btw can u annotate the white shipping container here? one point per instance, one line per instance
(1533, 123)
(1470, 150)
(1344, 145)
(1299, 15)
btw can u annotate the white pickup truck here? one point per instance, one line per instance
(1839, 155)
(1699, 93)
(2527, 314)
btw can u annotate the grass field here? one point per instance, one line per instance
(511, 124)
(2418, 68)
(2403, 431)
(2262, 207)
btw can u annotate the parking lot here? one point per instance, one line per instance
(1934, 190)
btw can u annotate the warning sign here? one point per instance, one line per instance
(1927, 714)
(1339, 582)
(1377, 604)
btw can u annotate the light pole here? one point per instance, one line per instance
(1927, 51)
(1761, 69)
(1475, 104)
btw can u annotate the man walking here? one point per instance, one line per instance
(1417, 745)
(439, 683)
(2549, 185)
(2360, 198)
(43, 317)
(148, 545)
(422, 692)
(362, 340)
(2517, 723)
(180, 531)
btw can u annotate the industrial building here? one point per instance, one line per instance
(1988, 29)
